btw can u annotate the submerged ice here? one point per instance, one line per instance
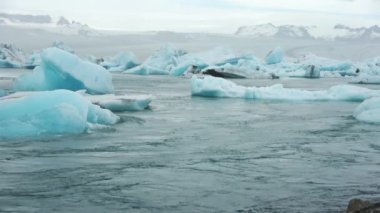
(218, 87)
(62, 70)
(50, 112)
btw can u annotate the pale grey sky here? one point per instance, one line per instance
(201, 15)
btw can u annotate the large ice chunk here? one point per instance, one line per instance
(50, 112)
(275, 56)
(121, 62)
(159, 63)
(62, 70)
(218, 87)
(368, 111)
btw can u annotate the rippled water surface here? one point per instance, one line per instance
(192, 154)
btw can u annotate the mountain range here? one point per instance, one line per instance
(339, 32)
(62, 25)
(58, 25)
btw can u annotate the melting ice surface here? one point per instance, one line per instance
(218, 87)
(51, 112)
(62, 70)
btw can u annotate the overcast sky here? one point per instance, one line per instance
(201, 15)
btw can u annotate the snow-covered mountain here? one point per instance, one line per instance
(362, 33)
(19, 18)
(45, 22)
(270, 30)
(339, 32)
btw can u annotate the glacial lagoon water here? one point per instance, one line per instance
(193, 154)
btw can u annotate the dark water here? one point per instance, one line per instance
(200, 155)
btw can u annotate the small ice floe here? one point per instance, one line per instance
(366, 79)
(119, 103)
(368, 111)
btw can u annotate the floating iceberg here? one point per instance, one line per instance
(368, 111)
(62, 70)
(218, 87)
(160, 63)
(121, 62)
(50, 112)
(11, 57)
(275, 56)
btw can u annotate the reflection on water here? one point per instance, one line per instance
(200, 155)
